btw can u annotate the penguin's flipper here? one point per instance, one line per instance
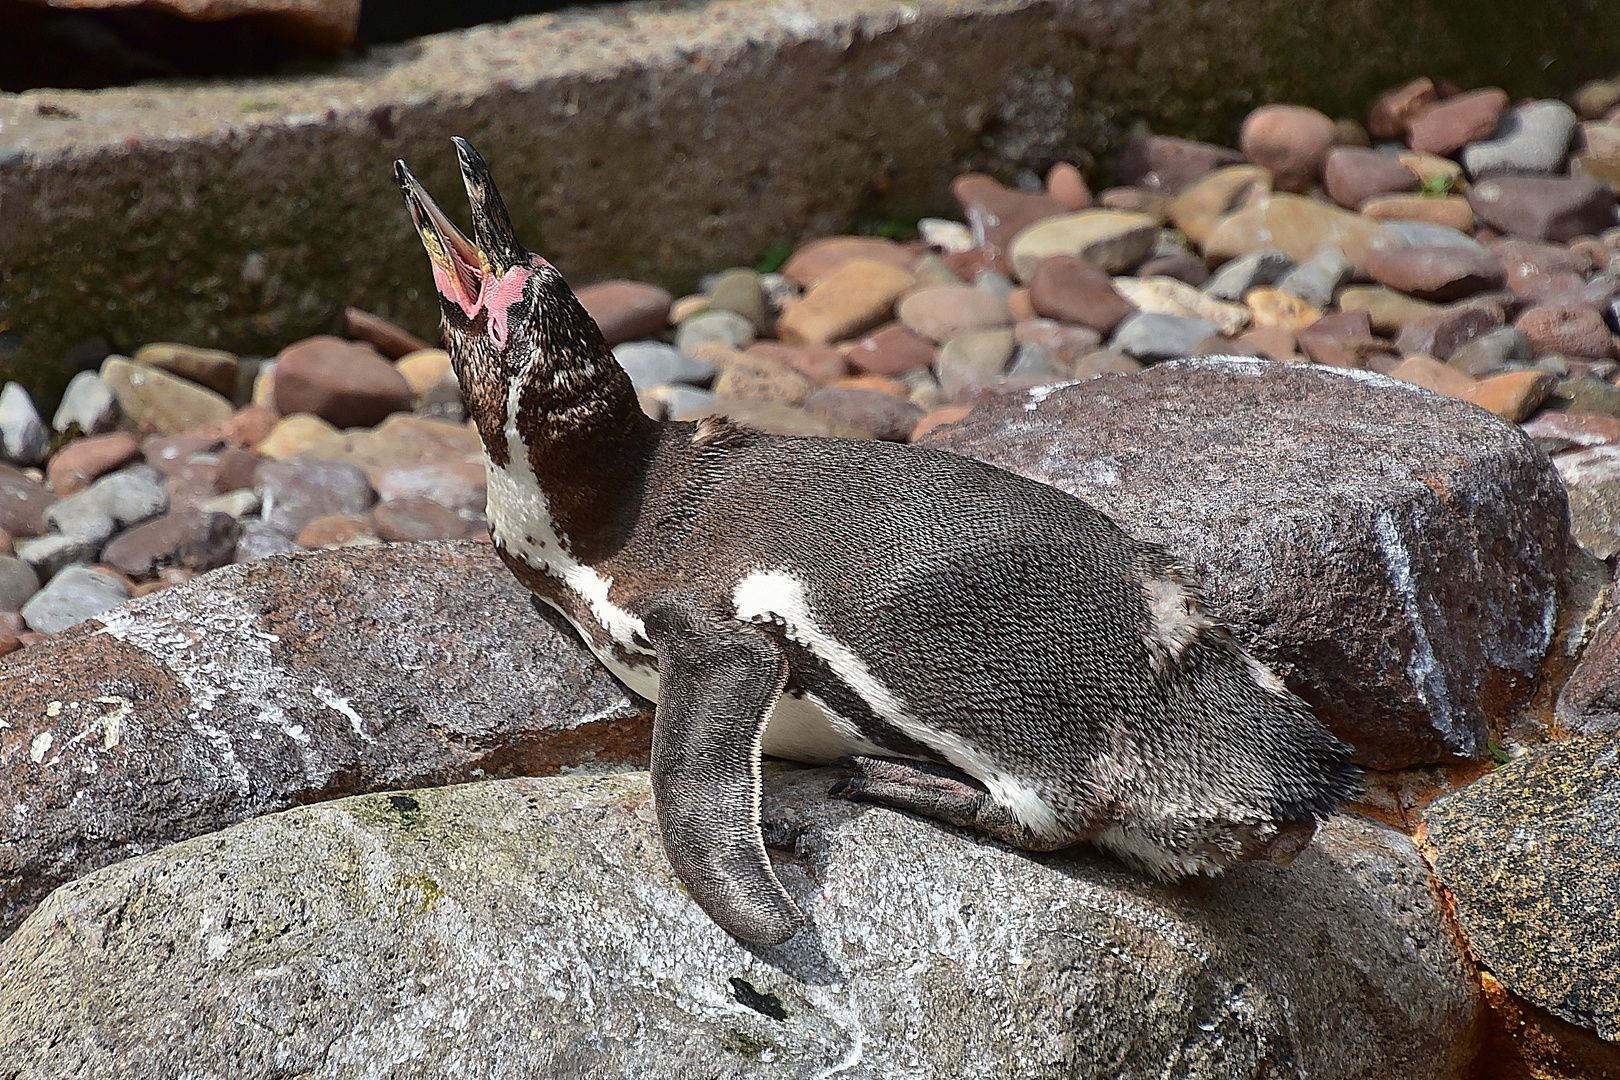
(718, 682)
(936, 791)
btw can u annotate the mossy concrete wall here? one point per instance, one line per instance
(656, 140)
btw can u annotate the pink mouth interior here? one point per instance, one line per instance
(473, 291)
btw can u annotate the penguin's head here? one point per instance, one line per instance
(486, 286)
(498, 299)
(512, 326)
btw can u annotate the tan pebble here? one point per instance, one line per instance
(1020, 305)
(945, 414)
(1171, 296)
(1429, 166)
(147, 588)
(1387, 309)
(1452, 211)
(1513, 395)
(754, 377)
(856, 297)
(820, 258)
(1349, 132)
(687, 306)
(339, 531)
(1271, 308)
(883, 385)
(213, 368)
(295, 435)
(1155, 204)
(1431, 374)
(818, 363)
(1199, 209)
(264, 386)
(717, 353)
(424, 369)
(1300, 226)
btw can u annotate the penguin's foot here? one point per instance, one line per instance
(936, 791)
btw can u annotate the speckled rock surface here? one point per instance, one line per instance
(1389, 552)
(1531, 856)
(233, 696)
(876, 106)
(532, 927)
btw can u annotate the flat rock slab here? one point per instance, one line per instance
(1531, 856)
(281, 682)
(532, 927)
(1391, 553)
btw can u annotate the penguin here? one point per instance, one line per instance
(967, 644)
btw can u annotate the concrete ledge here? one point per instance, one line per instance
(654, 140)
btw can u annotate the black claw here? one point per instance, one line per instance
(841, 787)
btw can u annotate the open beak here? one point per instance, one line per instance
(458, 263)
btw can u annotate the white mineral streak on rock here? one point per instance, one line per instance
(215, 647)
(340, 705)
(113, 722)
(1422, 665)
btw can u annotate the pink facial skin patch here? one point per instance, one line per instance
(495, 296)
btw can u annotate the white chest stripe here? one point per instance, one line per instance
(777, 596)
(520, 521)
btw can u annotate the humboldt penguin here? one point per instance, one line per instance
(968, 644)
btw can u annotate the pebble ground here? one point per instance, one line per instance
(1454, 239)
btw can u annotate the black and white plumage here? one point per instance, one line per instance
(974, 646)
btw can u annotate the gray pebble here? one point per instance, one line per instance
(48, 554)
(779, 289)
(978, 357)
(993, 282)
(295, 493)
(1035, 360)
(653, 363)
(739, 291)
(89, 403)
(687, 403)
(714, 327)
(1533, 138)
(76, 594)
(118, 500)
(239, 503)
(1234, 280)
(1491, 352)
(1428, 234)
(259, 540)
(23, 438)
(18, 582)
(1151, 336)
(1318, 278)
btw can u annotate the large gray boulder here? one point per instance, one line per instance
(281, 682)
(1391, 553)
(532, 928)
(1531, 857)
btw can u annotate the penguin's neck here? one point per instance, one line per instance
(568, 445)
